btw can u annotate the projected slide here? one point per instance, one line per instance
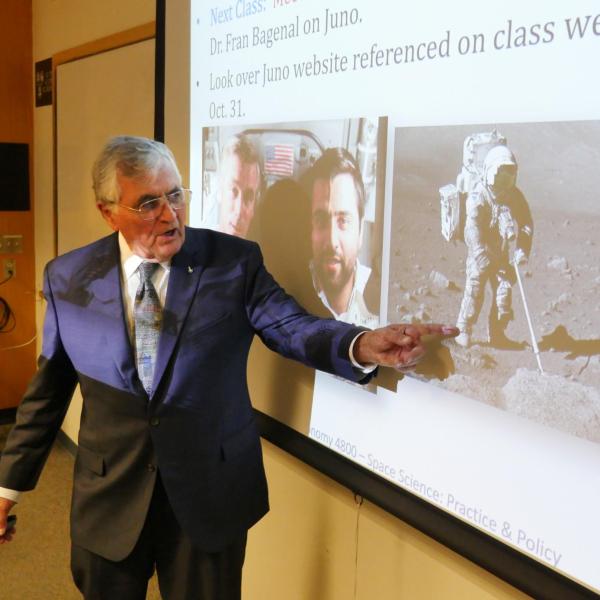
(545, 368)
(417, 163)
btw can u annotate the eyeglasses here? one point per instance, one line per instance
(152, 209)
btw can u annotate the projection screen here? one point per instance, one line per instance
(470, 136)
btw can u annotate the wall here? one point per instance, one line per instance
(316, 544)
(59, 25)
(16, 125)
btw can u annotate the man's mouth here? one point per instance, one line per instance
(331, 263)
(169, 233)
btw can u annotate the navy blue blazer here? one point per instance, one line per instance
(197, 426)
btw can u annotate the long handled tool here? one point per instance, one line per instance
(536, 349)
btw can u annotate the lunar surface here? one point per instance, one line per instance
(559, 174)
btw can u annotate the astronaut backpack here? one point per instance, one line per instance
(453, 197)
(451, 213)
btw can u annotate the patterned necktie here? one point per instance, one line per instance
(147, 318)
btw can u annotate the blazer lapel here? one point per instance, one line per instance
(183, 282)
(106, 298)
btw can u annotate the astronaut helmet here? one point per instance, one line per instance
(500, 169)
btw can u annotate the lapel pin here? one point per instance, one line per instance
(190, 270)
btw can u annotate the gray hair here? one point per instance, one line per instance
(129, 156)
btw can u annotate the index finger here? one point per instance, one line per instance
(436, 329)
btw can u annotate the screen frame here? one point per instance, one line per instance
(512, 566)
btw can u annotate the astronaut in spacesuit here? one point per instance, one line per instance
(498, 234)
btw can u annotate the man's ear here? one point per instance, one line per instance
(108, 215)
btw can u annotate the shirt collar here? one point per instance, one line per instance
(130, 261)
(361, 276)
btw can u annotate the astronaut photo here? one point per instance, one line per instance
(498, 233)
(308, 193)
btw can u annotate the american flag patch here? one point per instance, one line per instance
(279, 160)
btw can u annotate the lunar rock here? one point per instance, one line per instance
(563, 299)
(558, 263)
(554, 401)
(439, 280)
(419, 316)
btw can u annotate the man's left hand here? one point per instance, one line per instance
(398, 346)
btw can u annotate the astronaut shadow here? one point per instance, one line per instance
(505, 343)
(498, 339)
(437, 364)
(560, 340)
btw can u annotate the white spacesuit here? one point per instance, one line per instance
(498, 231)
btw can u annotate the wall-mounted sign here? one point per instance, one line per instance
(43, 82)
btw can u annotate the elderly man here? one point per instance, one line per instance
(239, 186)
(337, 209)
(155, 323)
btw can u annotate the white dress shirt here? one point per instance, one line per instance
(130, 281)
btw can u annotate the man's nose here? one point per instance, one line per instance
(167, 213)
(333, 234)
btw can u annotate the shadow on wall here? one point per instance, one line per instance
(561, 341)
